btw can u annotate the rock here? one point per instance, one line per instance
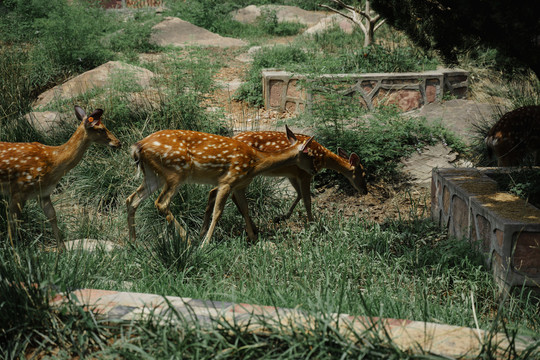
(346, 25)
(100, 77)
(230, 86)
(460, 115)
(420, 165)
(248, 57)
(177, 32)
(44, 121)
(249, 14)
(90, 245)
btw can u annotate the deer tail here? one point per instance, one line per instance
(136, 155)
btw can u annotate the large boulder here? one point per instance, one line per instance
(249, 14)
(101, 77)
(346, 25)
(45, 121)
(177, 32)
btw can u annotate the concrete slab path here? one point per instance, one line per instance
(417, 336)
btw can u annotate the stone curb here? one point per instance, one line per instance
(416, 336)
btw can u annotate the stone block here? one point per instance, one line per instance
(504, 227)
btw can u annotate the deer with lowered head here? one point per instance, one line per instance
(32, 170)
(271, 141)
(514, 136)
(170, 158)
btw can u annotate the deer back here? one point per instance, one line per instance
(516, 134)
(205, 158)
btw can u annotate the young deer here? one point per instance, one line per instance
(29, 170)
(348, 165)
(515, 135)
(169, 158)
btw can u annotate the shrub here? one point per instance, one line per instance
(381, 139)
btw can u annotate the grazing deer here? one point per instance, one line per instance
(169, 158)
(514, 136)
(29, 170)
(348, 165)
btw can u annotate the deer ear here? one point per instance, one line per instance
(290, 135)
(354, 160)
(79, 112)
(94, 118)
(343, 153)
(305, 145)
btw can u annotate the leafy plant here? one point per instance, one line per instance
(381, 139)
(268, 21)
(524, 183)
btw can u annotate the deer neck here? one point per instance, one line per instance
(336, 163)
(70, 154)
(271, 161)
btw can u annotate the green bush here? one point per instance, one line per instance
(70, 38)
(381, 139)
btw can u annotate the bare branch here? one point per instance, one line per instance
(346, 6)
(379, 25)
(339, 12)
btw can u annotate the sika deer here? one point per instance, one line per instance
(171, 157)
(348, 165)
(515, 135)
(29, 170)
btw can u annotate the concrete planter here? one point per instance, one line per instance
(282, 91)
(503, 226)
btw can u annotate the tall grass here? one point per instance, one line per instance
(398, 269)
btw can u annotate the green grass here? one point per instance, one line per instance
(398, 269)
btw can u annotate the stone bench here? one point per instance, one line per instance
(504, 227)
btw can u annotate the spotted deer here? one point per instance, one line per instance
(348, 165)
(32, 170)
(170, 158)
(514, 136)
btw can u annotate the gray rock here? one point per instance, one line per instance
(249, 14)
(177, 32)
(100, 77)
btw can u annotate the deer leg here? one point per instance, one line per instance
(221, 197)
(208, 212)
(162, 204)
(16, 205)
(50, 213)
(239, 199)
(305, 190)
(133, 202)
(296, 187)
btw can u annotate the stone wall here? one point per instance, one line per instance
(283, 91)
(119, 4)
(502, 226)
